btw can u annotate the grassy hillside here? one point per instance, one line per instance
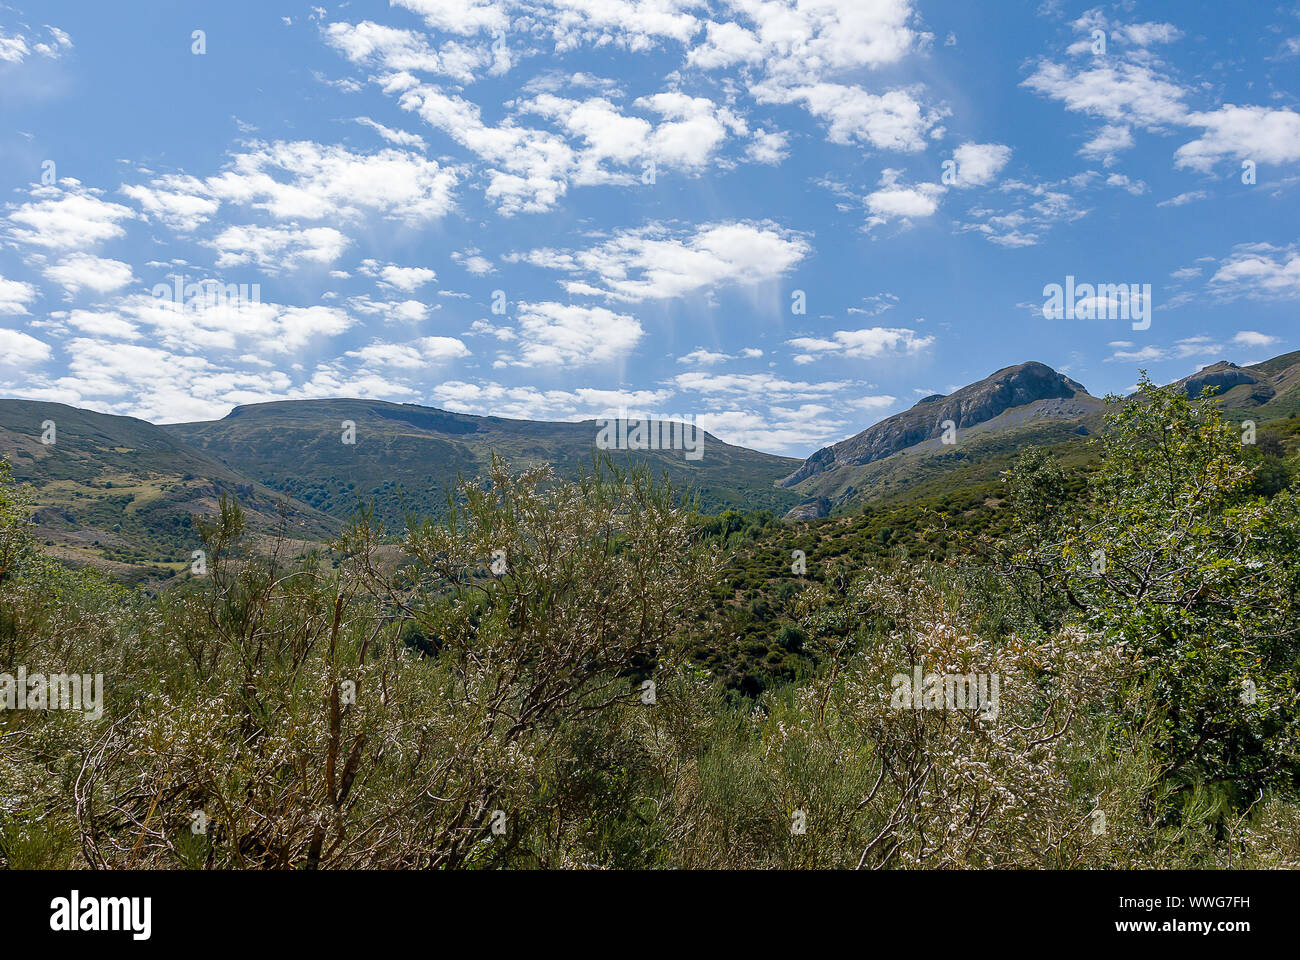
(121, 493)
(408, 456)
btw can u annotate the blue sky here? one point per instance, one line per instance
(647, 191)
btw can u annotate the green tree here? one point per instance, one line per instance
(1174, 556)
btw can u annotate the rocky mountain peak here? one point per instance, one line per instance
(983, 400)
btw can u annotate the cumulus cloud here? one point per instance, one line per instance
(978, 164)
(895, 120)
(406, 279)
(304, 180)
(210, 322)
(392, 49)
(15, 295)
(1107, 142)
(79, 270)
(768, 387)
(274, 247)
(176, 200)
(1120, 92)
(864, 344)
(67, 216)
(658, 262)
(18, 349)
(1258, 271)
(1134, 92)
(1241, 133)
(415, 355)
(1252, 338)
(474, 262)
(562, 335)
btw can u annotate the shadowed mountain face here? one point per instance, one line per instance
(122, 493)
(977, 403)
(407, 456)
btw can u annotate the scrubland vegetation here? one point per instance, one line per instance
(547, 677)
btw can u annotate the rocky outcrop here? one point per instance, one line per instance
(1223, 375)
(1010, 387)
(813, 509)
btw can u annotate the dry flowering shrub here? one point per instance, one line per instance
(988, 782)
(405, 716)
(1266, 839)
(984, 786)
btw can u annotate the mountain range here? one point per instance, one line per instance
(119, 492)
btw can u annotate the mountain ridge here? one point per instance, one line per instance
(1026, 403)
(121, 492)
(975, 403)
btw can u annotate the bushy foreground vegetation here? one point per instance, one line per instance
(537, 680)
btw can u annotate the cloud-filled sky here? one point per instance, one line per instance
(784, 218)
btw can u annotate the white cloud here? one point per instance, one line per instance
(656, 262)
(568, 335)
(765, 147)
(15, 295)
(1241, 133)
(405, 279)
(1135, 187)
(67, 217)
(1251, 338)
(103, 323)
(274, 247)
(474, 262)
(391, 311)
(725, 45)
(876, 305)
(704, 358)
(1258, 272)
(1146, 34)
(176, 200)
(873, 403)
(415, 355)
(979, 163)
(1135, 94)
(390, 49)
(18, 349)
(865, 344)
(797, 38)
(306, 180)
(464, 17)
(210, 322)
(891, 121)
(897, 201)
(779, 429)
(16, 47)
(1183, 198)
(1120, 92)
(761, 386)
(529, 403)
(1107, 142)
(1200, 346)
(401, 138)
(79, 270)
